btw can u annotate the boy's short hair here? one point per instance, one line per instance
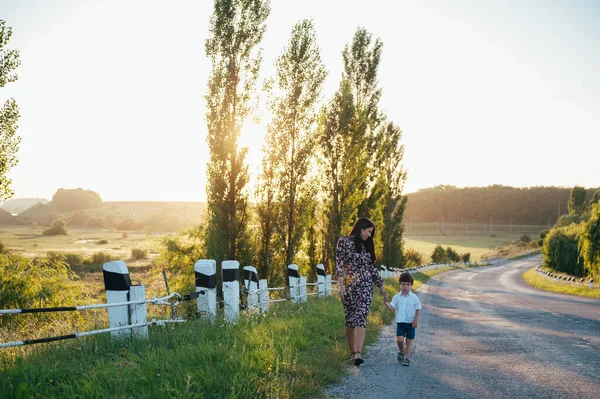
(406, 277)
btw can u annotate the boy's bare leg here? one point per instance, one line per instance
(400, 341)
(408, 348)
(350, 337)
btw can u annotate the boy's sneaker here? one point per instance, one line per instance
(400, 356)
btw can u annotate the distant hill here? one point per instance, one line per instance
(19, 205)
(119, 215)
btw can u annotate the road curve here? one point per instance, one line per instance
(484, 333)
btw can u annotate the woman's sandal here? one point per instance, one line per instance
(358, 360)
(351, 356)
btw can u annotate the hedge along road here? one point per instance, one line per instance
(484, 333)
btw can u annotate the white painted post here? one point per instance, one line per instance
(263, 295)
(251, 284)
(230, 270)
(205, 271)
(302, 288)
(117, 283)
(294, 280)
(321, 279)
(328, 285)
(137, 312)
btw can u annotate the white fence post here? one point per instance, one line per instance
(117, 283)
(321, 279)
(302, 288)
(264, 295)
(137, 312)
(328, 285)
(294, 280)
(206, 284)
(251, 284)
(230, 270)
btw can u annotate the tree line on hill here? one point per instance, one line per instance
(501, 204)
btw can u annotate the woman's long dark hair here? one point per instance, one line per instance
(361, 224)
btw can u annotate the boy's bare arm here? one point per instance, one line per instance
(416, 320)
(387, 305)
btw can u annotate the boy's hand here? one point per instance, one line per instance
(414, 323)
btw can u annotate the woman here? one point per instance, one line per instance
(356, 271)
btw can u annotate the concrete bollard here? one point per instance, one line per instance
(263, 295)
(206, 285)
(302, 297)
(321, 279)
(230, 270)
(293, 282)
(117, 283)
(251, 284)
(328, 285)
(137, 312)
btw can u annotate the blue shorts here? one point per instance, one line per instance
(405, 329)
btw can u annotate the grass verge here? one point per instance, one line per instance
(534, 279)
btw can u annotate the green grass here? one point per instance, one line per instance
(536, 280)
(292, 352)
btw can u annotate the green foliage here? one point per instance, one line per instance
(577, 201)
(452, 255)
(560, 250)
(466, 257)
(26, 283)
(589, 243)
(58, 227)
(9, 113)
(290, 141)
(525, 238)
(138, 254)
(73, 259)
(412, 258)
(236, 29)
(100, 258)
(1, 247)
(438, 255)
(66, 200)
(595, 198)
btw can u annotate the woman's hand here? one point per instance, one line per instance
(384, 294)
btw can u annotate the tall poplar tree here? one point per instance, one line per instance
(292, 130)
(236, 29)
(390, 203)
(9, 113)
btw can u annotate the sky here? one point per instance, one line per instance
(111, 92)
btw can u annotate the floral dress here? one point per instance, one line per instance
(359, 273)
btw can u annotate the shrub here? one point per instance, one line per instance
(58, 227)
(1, 247)
(560, 250)
(466, 257)
(102, 242)
(525, 238)
(438, 255)
(412, 257)
(73, 259)
(589, 243)
(125, 235)
(54, 257)
(452, 255)
(100, 258)
(137, 254)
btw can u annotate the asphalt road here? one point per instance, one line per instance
(484, 333)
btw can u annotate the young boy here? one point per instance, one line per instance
(408, 309)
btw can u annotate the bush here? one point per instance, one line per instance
(73, 259)
(560, 250)
(452, 255)
(125, 235)
(58, 227)
(100, 258)
(1, 247)
(137, 254)
(466, 257)
(102, 242)
(413, 258)
(589, 243)
(438, 255)
(525, 238)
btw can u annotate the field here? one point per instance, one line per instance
(480, 242)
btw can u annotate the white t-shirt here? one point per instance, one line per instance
(406, 307)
